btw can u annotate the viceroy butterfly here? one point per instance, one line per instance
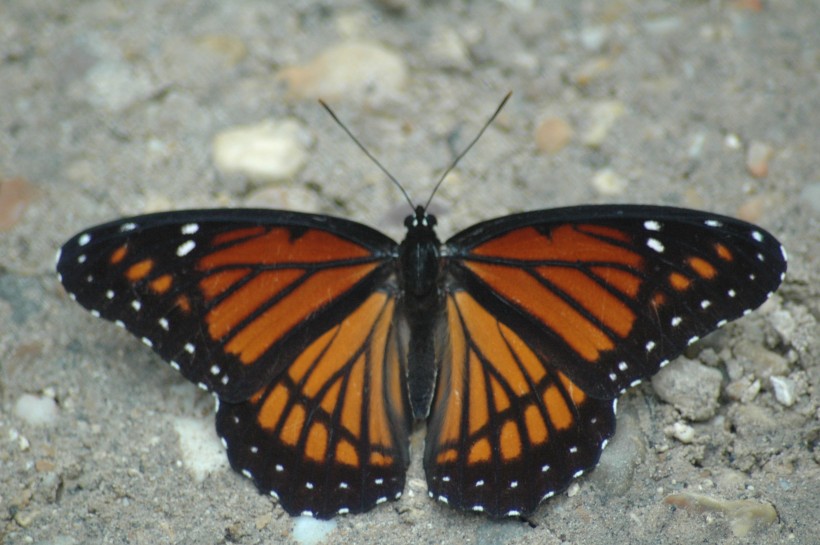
(323, 340)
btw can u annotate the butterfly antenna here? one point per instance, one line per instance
(470, 145)
(370, 155)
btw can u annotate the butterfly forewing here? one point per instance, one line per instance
(609, 293)
(225, 295)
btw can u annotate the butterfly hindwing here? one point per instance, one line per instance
(228, 297)
(330, 434)
(507, 428)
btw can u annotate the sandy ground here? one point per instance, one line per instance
(111, 108)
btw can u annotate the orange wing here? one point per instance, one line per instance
(227, 297)
(507, 430)
(551, 314)
(330, 434)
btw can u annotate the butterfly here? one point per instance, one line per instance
(325, 341)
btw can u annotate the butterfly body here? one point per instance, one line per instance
(422, 304)
(324, 340)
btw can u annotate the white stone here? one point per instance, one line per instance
(36, 410)
(311, 531)
(202, 451)
(783, 390)
(349, 70)
(268, 151)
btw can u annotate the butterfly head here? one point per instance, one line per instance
(420, 220)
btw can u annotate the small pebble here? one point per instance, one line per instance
(229, 47)
(732, 141)
(350, 70)
(591, 70)
(743, 515)
(682, 432)
(785, 325)
(744, 389)
(749, 5)
(608, 182)
(117, 85)
(269, 151)
(810, 195)
(311, 531)
(448, 50)
(752, 209)
(784, 390)
(620, 459)
(757, 159)
(16, 195)
(763, 363)
(202, 452)
(603, 116)
(36, 410)
(553, 134)
(692, 388)
(594, 37)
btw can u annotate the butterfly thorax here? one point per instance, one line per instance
(419, 255)
(419, 262)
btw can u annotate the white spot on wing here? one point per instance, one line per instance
(84, 239)
(163, 323)
(655, 244)
(652, 225)
(189, 228)
(757, 236)
(130, 226)
(185, 248)
(713, 223)
(189, 348)
(136, 305)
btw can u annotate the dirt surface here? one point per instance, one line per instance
(111, 109)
